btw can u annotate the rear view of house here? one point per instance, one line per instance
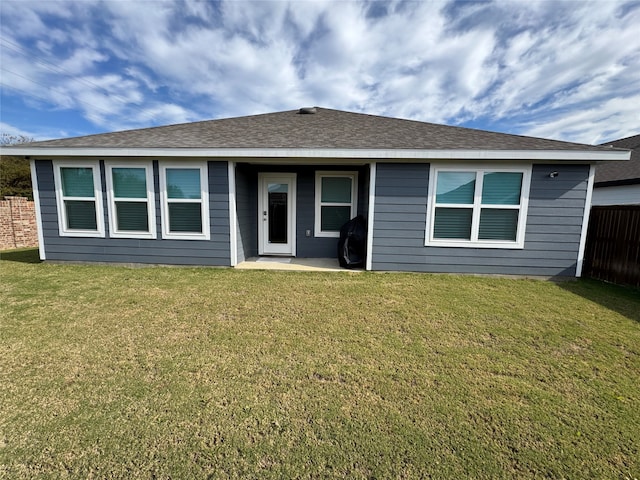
(436, 198)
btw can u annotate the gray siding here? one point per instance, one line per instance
(247, 212)
(556, 208)
(306, 247)
(320, 247)
(171, 252)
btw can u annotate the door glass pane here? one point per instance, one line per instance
(81, 215)
(129, 182)
(501, 188)
(77, 182)
(278, 187)
(453, 223)
(185, 217)
(456, 187)
(278, 212)
(183, 183)
(498, 224)
(332, 218)
(336, 190)
(132, 216)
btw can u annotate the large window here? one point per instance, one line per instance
(336, 201)
(478, 207)
(131, 200)
(185, 200)
(79, 199)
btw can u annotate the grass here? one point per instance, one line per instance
(112, 372)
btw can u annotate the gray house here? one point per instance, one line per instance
(436, 198)
(618, 183)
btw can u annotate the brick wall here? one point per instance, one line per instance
(18, 227)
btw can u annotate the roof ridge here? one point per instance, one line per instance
(624, 139)
(470, 129)
(327, 128)
(154, 127)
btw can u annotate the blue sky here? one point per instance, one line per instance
(568, 70)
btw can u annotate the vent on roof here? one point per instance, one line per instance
(308, 110)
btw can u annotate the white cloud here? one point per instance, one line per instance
(612, 119)
(5, 128)
(562, 69)
(81, 60)
(36, 133)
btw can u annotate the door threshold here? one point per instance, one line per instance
(274, 259)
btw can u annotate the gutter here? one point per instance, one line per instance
(294, 154)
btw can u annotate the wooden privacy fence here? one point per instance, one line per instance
(613, 244)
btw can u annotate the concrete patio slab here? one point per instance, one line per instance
(293, 264)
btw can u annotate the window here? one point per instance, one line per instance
(336, 201)
(185, 201)
(478, 208)
(131, 200)
(79, 199)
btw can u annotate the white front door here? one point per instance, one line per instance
(277, 214)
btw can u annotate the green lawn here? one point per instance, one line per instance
(113, 372)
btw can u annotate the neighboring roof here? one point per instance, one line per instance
(623, 172)
(325, 129)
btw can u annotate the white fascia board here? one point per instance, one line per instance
(327, 153)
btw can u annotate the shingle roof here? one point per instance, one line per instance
(622, 172)
(327, 128)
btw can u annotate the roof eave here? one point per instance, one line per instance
(617, 183)
(365, 153)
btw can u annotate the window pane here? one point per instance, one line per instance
(456, 187)
(77, 182)
(129, 182)
(332, 218)
(278, 213)
(496, 224)
(132, 216)
(453, 223)
(336, 189)
(501, 188)
(278, 188)
(183, 183)
(185, 217)
(81, 215)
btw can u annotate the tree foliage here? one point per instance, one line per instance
(15, 172)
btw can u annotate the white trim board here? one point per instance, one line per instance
(233, 215)
(328, 153)
(371, 206)
(36, 201)
(585, 221)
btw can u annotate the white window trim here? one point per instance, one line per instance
(523, 207)
(203, 200)
(150, 199)
(61, 198)
(318, 200)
